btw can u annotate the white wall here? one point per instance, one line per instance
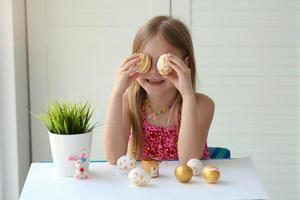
(9, 181)
(21, 88)
(14, 124)
(298, 115)
(74, 52)
(298, 128)
(246, 54)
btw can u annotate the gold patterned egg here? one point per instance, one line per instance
(151, 166)
(183, 173)
(211, 174)
(145, 63)
(163, 67)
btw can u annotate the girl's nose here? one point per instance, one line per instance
(153, 69)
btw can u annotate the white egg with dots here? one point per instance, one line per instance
(139, 177)
(196, 166)
(126, 163)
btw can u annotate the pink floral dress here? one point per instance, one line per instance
(161, 142)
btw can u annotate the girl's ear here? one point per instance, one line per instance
(186, 61)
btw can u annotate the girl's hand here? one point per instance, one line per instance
(181, 78)
(127, 73)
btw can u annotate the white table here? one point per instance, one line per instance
(238, 181)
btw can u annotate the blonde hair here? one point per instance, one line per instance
(176, 34)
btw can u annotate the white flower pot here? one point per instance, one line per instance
(64, 146)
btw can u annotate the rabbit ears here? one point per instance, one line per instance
(82, 156)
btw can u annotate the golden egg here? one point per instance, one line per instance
(151, 166)
(211, 174)
(183, 173)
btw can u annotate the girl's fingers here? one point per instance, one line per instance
(177, 61)
(128, 59)
(131, 71)
(134, 76)
(131, 63)
(175, 67)
(173, 78)
(131, 76)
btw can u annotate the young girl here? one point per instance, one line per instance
(155, 116)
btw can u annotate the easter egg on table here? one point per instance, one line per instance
(183, 173)
(196, 166)
(139, 177)
(151, 166)
(126, 163)
(211, 174)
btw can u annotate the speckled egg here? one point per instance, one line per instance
(139, 177)
(126, 163)
(196, 166)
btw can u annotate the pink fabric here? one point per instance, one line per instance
(161, 142)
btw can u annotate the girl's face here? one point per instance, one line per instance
(152, 81)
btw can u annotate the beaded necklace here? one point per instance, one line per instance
(152, 115)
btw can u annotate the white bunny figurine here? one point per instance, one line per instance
(80, 165)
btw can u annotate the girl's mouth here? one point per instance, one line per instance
(155, 81)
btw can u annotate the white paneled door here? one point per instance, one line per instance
(75, 48)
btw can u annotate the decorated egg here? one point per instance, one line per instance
(139, 176)
(196, 166)
(151, 166)
(126, 163)
(211, 174)
(183, 173)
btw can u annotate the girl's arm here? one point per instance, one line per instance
(117, 124)
(197, 113)
(117, 128)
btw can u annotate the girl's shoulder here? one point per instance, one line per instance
(204, 102)
(203, 98)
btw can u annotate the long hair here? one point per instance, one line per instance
(176, 34)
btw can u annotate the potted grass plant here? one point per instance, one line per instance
(70, 133)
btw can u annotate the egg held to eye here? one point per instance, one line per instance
(144, 64)
(163, 66)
